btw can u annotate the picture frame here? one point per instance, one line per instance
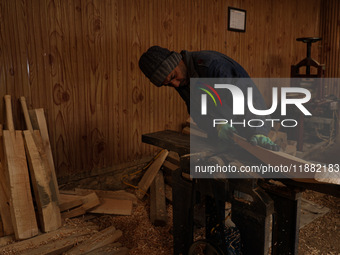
(237, 19)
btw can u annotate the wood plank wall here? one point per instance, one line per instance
(78, 59)
(330, 50)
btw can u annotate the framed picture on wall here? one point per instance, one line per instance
(236, 19)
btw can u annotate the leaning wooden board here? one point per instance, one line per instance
(4, 194)
(38, 120)
(45, 192)
(275, 158)
(21, 203)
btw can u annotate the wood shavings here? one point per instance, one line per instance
(139, 235)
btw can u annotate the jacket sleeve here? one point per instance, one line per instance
(227, 68)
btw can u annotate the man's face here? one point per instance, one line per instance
(178, 77)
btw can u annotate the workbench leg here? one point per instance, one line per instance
(253, 218)
(286, 221)
(182, 213)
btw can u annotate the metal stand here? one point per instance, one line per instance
(316, 87)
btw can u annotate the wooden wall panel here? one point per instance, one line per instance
(330, 53)
(79, 61)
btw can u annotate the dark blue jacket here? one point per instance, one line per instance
(212, 64)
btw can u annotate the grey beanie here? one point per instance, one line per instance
(157, 62)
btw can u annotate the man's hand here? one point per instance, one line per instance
(265, 142)
(226, 132)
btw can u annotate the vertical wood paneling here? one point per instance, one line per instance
(83, 63)
(330, 54)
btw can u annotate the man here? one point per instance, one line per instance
(169, 68)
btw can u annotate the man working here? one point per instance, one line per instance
(166, 68)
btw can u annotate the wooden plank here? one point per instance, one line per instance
(168, 192)
(38, 119)
(169, 167)
(276, 158)
(19, 247)
(110, 249)
(150, 174)
(113, 206)
(173, 157)
(170, 140)
(117, 194)
(45, 192)
(158, 212)
(104, 237)
(89, 201)
(4, 194)
(21, 203)
(70, 204)
(57, 247)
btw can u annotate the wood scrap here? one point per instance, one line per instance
(45, 192)
(57, 247)
(173, 157)
(89, 201)
(113, 206)
(158, 212)
(150, 174)
(169, 167)
(19, 247)
(104, 237)
(38, 120)
(117, 194)
(67, 205)
(21, 202)
(110, 249)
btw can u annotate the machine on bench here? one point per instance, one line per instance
(267, 220)
(324, 108)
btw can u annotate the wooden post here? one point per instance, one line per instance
(158, 213)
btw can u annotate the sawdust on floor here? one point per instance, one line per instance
(141, 237)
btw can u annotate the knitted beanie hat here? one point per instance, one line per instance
(157, 62)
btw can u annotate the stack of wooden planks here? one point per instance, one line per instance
(80, 201)
(30, 199)
(18, 213)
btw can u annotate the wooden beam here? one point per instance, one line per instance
(104, 237)
(21, 203)
(150, 174)
(158, 212)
